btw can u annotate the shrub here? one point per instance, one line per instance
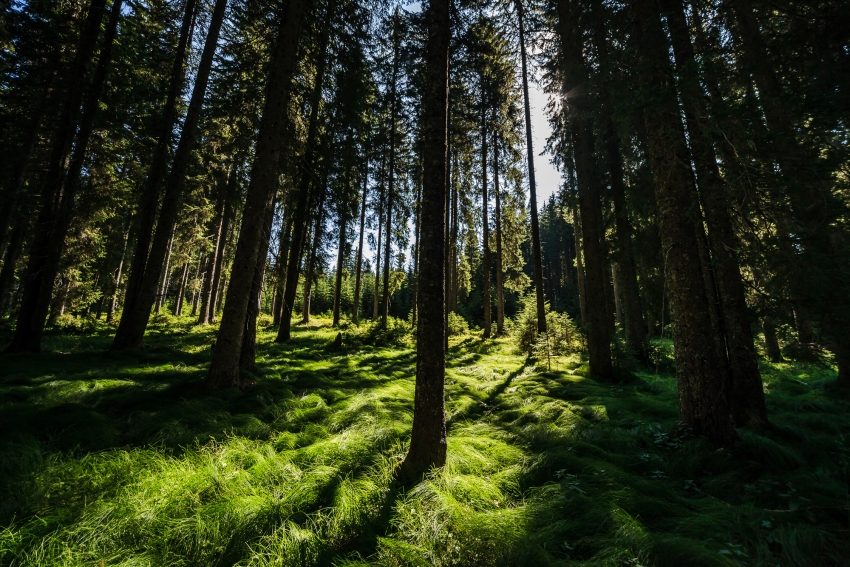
(563, 335)
(457, 325)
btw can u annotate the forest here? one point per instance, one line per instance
(283, 283)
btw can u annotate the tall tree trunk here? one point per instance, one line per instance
(149, 199)
(385, 305)
(771, 343)
(416, 221)
(485, 226)
(339, 261)
(248, 352)
(164, 279)
(10, 262)
(428, 436)
(747, 393)
(532, 185)
(582, 284)
(355, 309)
(196, 292)
(134, 320)
(453, 290)
(590, 205)
(618, 302)
(217, 289)
(57, 195)
(703, 401)
(282, 257)
(224, 370)
(217, 236)
(300, 210)
(113, 300)
(309, 271)
(181, 290)
(500, 292)
(376, 290)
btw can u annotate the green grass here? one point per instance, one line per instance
(124, 460)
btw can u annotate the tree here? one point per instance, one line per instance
(428, 436)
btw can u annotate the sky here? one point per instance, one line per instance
(548, 178)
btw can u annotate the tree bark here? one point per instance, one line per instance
(164, 278)
(146, 215)
(248, 352)
(385, 305)
(355, 310)
(485, 227)
(428, 436)
(500, 292)
(376, 290)
(224, 370)
(309, 274)
(57, 195)
(300, 210)
(747, 393)
(598, 318)
(339, 260)
(703, 401)
(181, 290)
(771, 343)
(134, 320)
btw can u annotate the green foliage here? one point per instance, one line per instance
(125, 460)
(458, 326)
(562, 339)
(397, 332)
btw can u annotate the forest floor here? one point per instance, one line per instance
(122, 459)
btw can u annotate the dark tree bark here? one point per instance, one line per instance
(248, 353)
(590, 205)
(282, 257)
(58, 192)
(10, 262)
(385, 305)
(485, 226)
(771, 343)
(428, 437)
(747, 393)
(355, 310)
(500, 292)
(300, 209)
(416, 221)
(582, 284)
(376, 290)
(703, 395)
(309, 271)
(532, 185)
(224, 370)
(181, 290)
(134, 320)
(339, 259)
(453, 290)
(196, 294)
(146, 215)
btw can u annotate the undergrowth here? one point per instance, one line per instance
(124, 460)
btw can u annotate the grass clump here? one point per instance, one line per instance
(125, 460)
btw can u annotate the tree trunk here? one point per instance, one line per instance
(224, 370)
(309, 274)
(376, 298)
(300, 210)
(771, 343)
(618, 303)
(113, 300)
(532, 185)
(500, 292)
(339, 260)
(164, 280)
(282, 257)
(598, 318)
(10, 262)
(703, 401)
(582, 284)
(428, 436)
(248, 352)
(146, 215)
(355, 310)
(416, 221)
(181, 290)
(485, 226)
(453, 290)
(196, 293)
(57, 195)
(747, 393)
(385, 305)
(217, 289)
(131, 330)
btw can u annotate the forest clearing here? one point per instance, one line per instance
(451, 282)
(122, 460)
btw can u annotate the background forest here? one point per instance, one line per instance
(233, 233)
